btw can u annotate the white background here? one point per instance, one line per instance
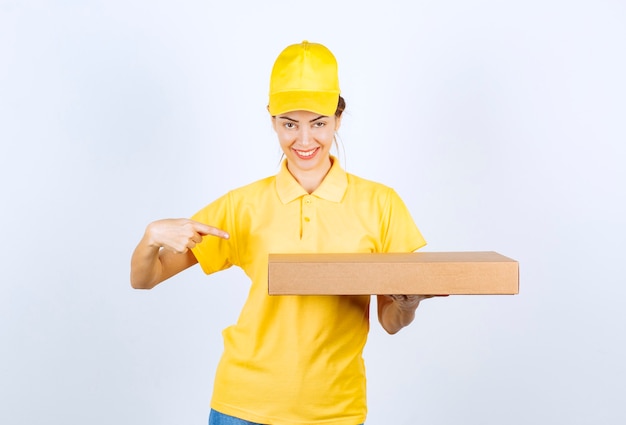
(501, 125)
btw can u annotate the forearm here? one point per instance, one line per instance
(145, 266)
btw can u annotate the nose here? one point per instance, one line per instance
(305, 136)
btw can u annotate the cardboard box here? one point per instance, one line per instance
(425, 273)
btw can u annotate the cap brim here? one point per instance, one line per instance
(323, 103)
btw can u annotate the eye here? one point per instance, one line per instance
(289, 125)
(319, 124)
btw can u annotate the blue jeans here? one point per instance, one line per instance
(217, 418)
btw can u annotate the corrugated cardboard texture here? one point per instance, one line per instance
(424, 273)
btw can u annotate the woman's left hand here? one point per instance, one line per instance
(408, 302)
(397, 311)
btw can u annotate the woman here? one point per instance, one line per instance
(291, 359)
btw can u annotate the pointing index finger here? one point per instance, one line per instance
(205, 230)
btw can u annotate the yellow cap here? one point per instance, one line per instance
(304, 78)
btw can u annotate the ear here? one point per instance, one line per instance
(272, 118)
(337, 123)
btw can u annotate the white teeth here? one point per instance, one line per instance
(307, 153)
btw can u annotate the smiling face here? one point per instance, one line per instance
(306, 139)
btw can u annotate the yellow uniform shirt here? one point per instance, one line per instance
(296, 360)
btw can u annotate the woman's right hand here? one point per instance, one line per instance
(164, 250)
(180, 234)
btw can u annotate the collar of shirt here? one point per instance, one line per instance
(332, 188)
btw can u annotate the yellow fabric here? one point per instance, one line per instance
(296, 360)
(304, 77)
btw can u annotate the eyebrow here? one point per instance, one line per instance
(296, 121)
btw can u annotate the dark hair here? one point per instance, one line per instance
(341, 106)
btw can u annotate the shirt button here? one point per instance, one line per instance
(307, 219)
(307, 201)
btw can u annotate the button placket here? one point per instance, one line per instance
(308, 214)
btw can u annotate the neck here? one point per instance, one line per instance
(311, 179)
